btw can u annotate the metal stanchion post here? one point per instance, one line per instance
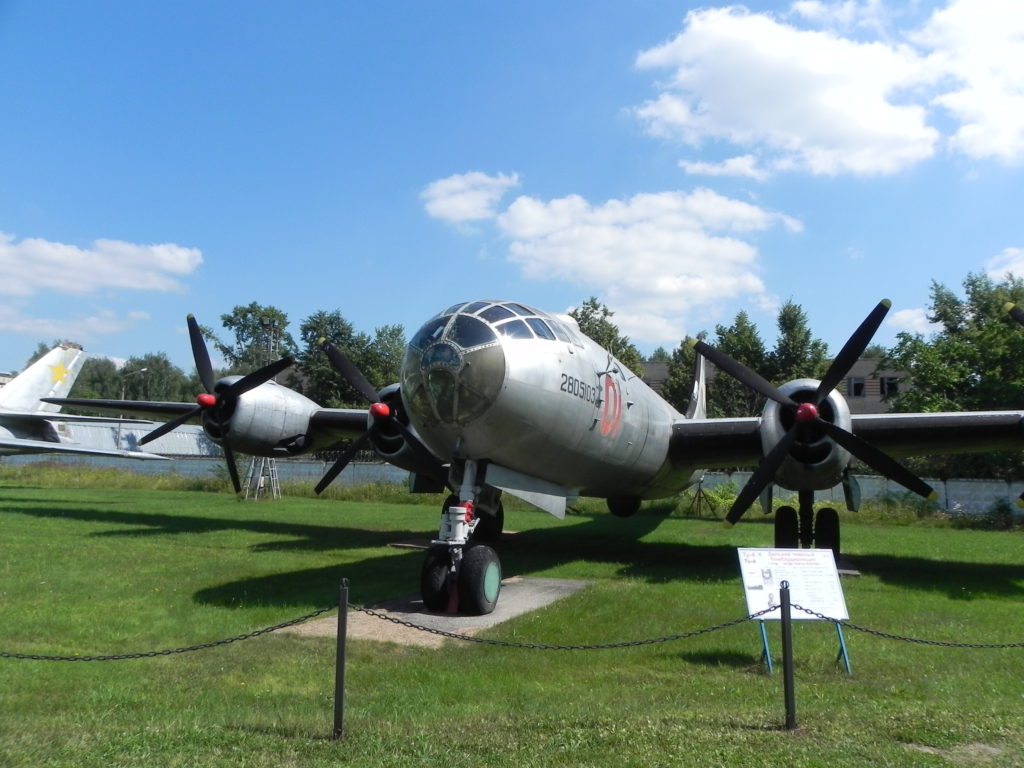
(339, 671)
(787, 656)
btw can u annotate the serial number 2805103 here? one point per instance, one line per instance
(573, 386)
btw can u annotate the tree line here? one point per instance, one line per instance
(974, 360)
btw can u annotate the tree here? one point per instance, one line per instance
(678, 385)
(741, 341)
(594, 321)
(796, 354)
(660, 355)
(974, 361)
(378, 357)
(154, 377)
(260, 337)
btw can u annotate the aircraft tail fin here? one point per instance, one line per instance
(52, 375)
(697, 407)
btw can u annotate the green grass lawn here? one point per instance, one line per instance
(107, 571)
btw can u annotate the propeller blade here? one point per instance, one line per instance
(763, 475)
(254, 379)
(1015, 312)
(741, 373)
(342, 461)
(168, 426)
(200, 354)
(229, 455)
(349, 372)
(852, 350)
(879, 461)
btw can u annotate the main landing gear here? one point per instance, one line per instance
(794, 529)
(461, 574)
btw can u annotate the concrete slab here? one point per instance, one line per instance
(519, 595)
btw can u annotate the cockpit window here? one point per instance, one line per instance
(515, 329)
(559, 331)
(476, 306)
(496, 313)
(540, 328)
(429, 333)
(454, 308)
(519, 309)
(469, 332)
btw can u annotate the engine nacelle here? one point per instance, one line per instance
(270, 420)
(815, 462)
(388, 441)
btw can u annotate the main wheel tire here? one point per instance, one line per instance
(623, 506)
(490, 526)
(826, 531)
(434, 579)
(479, 580)
(786, 534)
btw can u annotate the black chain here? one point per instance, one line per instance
(502, 643)
(916, 640)
(171, 651)
(547, 647)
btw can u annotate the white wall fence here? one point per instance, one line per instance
(955, 496)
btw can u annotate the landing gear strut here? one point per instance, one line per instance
(803, 529)
(459, 574)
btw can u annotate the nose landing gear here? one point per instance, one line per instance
(460, 575)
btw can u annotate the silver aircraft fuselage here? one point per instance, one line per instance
(505, 383)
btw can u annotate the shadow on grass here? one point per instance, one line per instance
(594, 538)
(298, 536)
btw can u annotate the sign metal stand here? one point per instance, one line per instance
(814, 583)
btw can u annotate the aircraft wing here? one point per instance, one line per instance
(343, 422)
(148, 410)
(724, 443)
(28, 418)
(19, 445)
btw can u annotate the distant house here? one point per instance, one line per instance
(864, 386)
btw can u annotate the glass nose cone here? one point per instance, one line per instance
(446, 383)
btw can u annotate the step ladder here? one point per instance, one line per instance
(261, 481)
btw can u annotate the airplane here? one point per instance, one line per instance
(499, 397)
(30, 426)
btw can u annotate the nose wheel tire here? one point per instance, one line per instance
(479, 580)
(434, 579)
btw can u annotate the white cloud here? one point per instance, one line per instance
(79, 328)
(467, 196)
(809, 99)
(849, 95)
(33, 265)
(661, 259)
(980, 46)
(744, 166)
(911, 321)
(846, 15)
(1009, 260)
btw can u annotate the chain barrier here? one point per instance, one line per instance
(172, 651)
(503, 643)
(902, 638)
(548, 647)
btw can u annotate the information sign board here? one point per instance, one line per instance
(812, 576)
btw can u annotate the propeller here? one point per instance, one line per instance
(217, 405)
(382, 414)
(807, 420)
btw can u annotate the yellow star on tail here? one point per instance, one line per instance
(59, 372)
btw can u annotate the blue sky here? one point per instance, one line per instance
(679, 162)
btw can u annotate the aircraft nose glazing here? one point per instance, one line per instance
(453, 371)
(440, 367)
